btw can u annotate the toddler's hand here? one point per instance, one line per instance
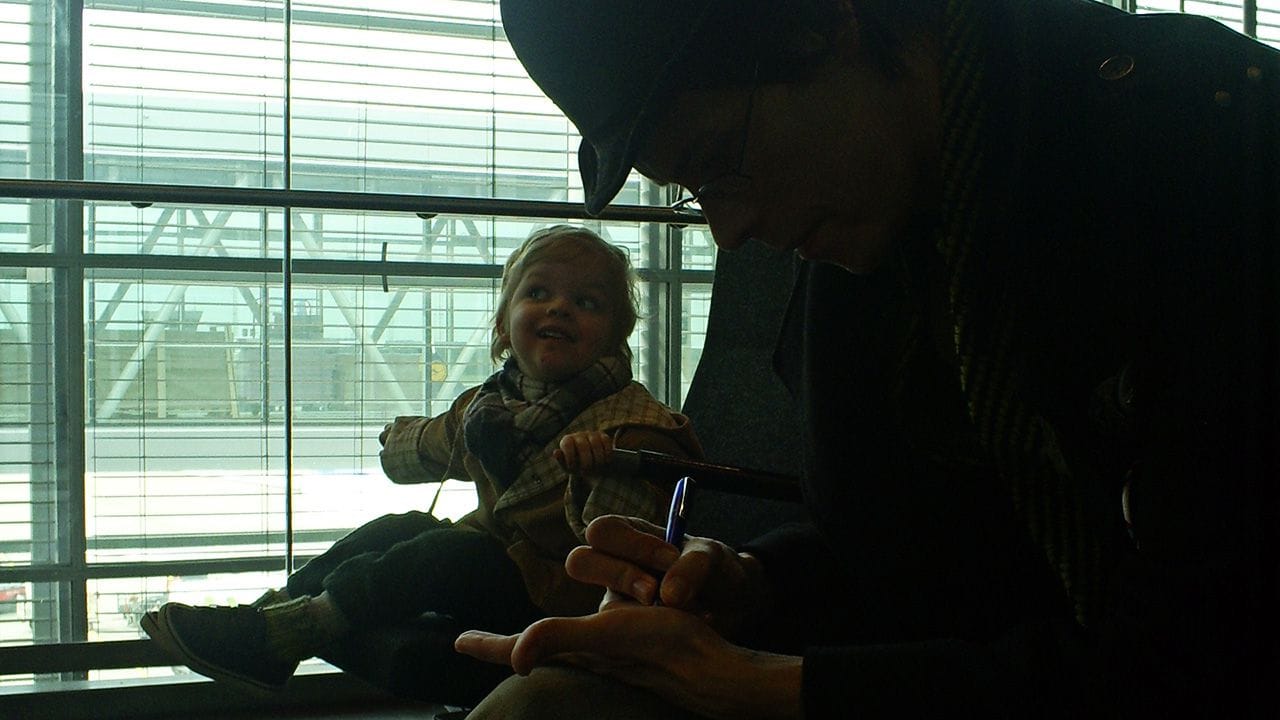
(403, 428)
(584, 453)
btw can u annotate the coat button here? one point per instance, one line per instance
(1254, 73)
(1223, 98)
(1125, 392)
(1115, 67)
(1125, 512)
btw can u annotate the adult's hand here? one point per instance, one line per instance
(667, 651)
(629, 558)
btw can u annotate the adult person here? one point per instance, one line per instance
(1035, 345)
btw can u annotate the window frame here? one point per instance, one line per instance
(63, 202)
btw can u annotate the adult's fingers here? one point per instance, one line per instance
(627, 555)
(486, 646)
(704, 565)
(613, 638)
(544, 638)
(624, 556)
(631, 538)
(588, 565)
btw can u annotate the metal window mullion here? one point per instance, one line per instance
(286, 298)
(653, 249)
(673, 338)
(68, 367)
(43, 485)
(56, 297)
(68, 379)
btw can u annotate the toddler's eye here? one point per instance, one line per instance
(537, 293)
(588, 303)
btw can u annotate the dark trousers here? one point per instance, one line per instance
(397, 567)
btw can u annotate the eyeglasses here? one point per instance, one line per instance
(728, 185)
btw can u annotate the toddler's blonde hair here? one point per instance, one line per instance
(568, 242)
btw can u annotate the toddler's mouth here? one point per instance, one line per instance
(552, 333)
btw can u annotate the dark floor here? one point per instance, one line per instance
(380, 711)
(335, 696)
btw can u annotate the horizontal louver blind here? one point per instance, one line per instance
(203, 460)
(1229, 12)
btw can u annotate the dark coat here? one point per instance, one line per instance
(1129, 216)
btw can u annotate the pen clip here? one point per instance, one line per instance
(678, 515)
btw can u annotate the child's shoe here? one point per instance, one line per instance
(225, 643)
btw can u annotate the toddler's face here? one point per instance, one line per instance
(561, 320)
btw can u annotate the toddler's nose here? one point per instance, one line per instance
(558, 306)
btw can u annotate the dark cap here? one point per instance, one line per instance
(608, 65)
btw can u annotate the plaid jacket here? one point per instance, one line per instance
(540, 523)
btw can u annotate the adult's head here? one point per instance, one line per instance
(566, 288)
(828, 107)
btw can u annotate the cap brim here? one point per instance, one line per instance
(609, 67)
(606, 162)
(604, 172)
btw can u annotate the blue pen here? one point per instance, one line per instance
(678, 517)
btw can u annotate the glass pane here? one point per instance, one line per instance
(27, 614)
(16, 608)
(21, 229)
(28, 486)
(401, 237)
(341, 235)
(1160, 5)
(1269, 22)
(1229, 13)
(181, 319)
(215, 232)
(426, 99)
(18, 86)
(697, 248)
(116, 605)
(696, 302)
(364, 355)
(396, 99)
(182, 92)
(184, 438)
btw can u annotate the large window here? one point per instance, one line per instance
(253, 232)
(1259, 18)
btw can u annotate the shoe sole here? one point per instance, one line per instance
(155, 623)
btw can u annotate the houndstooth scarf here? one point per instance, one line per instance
(513, 417)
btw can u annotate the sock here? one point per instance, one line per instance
(300, 628)
(271, 597)
(329, 617)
